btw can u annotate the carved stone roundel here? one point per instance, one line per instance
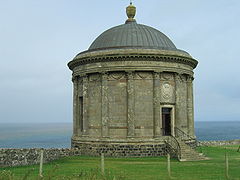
(167, 91)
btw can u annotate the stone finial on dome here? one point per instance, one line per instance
(131, 12)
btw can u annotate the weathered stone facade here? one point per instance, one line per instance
(131, 91)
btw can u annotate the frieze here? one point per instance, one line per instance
(134, 66)
(94, 77)
(143, 75)
(116, 75)
(167, 76)
(176, 59)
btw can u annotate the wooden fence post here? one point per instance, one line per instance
(169, 166)
(41, 163)
(226, 165)
(102, 163)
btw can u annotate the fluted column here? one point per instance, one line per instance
(75, 105)
(105, 106)
(85, 122)
(156, 105)
(130, 104)
(190, 116)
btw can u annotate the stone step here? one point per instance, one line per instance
(189, 154)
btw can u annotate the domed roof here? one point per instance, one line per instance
(132, 35)
(131, 39)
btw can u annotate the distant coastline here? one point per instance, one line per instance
(58, 135)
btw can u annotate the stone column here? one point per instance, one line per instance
(75, 105)
(105, 106)
(85, 106)
(190, 106)
(178, 82)
(156, 105)
(130, 104)
(181, 103)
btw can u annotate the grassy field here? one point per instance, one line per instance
(136, 168)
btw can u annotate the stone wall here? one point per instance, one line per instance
(123, 149)
(22, 157)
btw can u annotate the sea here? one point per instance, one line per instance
(58, 135)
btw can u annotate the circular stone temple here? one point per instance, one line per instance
(133, 93)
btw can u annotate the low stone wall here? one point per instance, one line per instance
(122, 149)
(219, 143)
(22, 157)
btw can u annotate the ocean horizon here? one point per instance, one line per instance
(58, 135)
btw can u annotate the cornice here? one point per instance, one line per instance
(132, 55)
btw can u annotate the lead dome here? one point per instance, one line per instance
(132, 35)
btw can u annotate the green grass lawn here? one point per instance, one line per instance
(138, 168)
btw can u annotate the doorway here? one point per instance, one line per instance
(166, 121)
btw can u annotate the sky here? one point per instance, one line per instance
(39, 38)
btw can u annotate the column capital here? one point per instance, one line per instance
(130, 74)
(180, 77)
(104, 75)
(156, 74)
(190, 78)
(74, 78)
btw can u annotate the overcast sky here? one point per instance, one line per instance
(39, 37)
